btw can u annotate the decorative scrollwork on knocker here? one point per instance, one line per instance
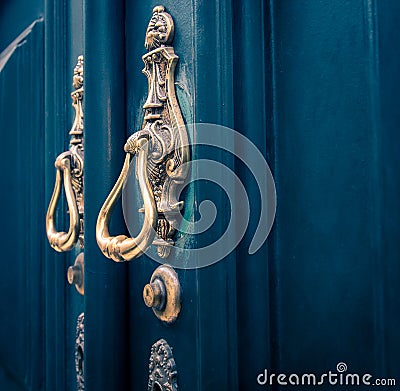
(69, 171)
(162, 368)
(161, 148)
(79, 352)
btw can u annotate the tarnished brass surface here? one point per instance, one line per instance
(163, 294)
(69, 171)
(161, 149)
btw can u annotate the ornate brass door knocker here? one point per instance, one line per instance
(161, 149)
(69, 171)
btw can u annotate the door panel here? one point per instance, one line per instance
(387, 63)
(314, 85)
(332, 251)
(106, 308)
(22, 261)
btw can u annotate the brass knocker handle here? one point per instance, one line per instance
(122, 248)
(69, 171)
(63, 241)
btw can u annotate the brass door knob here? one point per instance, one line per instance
(75, 274)
(154, 295)
(163, 294)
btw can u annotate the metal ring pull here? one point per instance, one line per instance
(161, 149)
(69, 171)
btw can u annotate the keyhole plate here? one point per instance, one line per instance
(163, 375)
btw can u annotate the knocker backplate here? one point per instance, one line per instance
(164, 126)
(160, 150)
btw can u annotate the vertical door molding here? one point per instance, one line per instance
(106, 309)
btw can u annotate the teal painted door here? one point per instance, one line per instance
(22, 300)
(314, 85)
(40, 41)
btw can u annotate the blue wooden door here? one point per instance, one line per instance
(22, 303)
(314, 85)
(40, 42)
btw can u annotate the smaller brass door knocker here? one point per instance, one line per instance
(161, 150)
(69, 171)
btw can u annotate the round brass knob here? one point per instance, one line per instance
(75, 274)
(154, 295)
(163, 294)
